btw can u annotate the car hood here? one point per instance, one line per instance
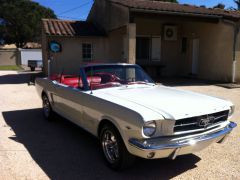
(165, 101)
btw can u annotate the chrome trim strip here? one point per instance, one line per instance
(150, 144)
(187, 124)
(218, 117)
(216, 125)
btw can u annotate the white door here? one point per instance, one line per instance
(156, 49)
(195, 56)
(69, 103)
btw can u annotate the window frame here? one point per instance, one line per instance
(85, 56)
(151, 48)
(150, 37)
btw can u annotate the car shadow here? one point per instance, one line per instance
(20, 78)
(65, 151)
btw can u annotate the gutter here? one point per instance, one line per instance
(236, 31)
(175, 13)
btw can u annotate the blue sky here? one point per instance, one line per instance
(78, 9)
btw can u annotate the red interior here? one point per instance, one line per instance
(98, 81)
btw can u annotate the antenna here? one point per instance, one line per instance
(91, 79)
(61, 75)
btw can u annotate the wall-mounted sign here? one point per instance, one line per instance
(55, 46)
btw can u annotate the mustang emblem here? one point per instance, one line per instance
(206, 121)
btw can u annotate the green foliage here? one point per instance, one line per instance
(22, 20)
(238, 4)
(11, 67)
(220, 6)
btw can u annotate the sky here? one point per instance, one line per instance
(79, 9)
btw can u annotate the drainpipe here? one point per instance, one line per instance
(49, 72)
(236, 31)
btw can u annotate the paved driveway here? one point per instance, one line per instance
(32, 148)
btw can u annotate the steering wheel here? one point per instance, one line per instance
(115, 78)
(130, 79)
(108, 76)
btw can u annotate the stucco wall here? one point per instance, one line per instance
(105, 49)
(215, 48)
(115, 45)
(237, 59)
(9, 57)
(108, 15)
(70, 59)
(170, 50)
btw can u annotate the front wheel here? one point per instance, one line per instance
(114, 150)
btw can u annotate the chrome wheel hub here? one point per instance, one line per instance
(110, 146)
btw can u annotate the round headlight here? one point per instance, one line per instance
(231, 111)
(149, 128)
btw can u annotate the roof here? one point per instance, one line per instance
(56, 27)
(169, 7)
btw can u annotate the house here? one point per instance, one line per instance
(166, 39)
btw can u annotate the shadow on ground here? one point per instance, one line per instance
(20, 78)
(65, 151)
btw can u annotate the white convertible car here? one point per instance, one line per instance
(132, 116)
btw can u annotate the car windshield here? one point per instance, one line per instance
(104, 76)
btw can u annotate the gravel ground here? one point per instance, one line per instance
(31, 148)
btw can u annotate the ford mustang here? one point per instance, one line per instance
(134, 117)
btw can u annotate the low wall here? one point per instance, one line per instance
(9, 57)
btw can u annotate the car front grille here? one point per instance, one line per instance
(200, 122)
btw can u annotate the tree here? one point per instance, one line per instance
(220, 6)
(237, 2)
(21, 21)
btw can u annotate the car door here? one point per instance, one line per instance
(69, 103)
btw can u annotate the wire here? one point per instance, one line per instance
(72, 9)
(71, 17)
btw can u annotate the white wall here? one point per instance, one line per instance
(30, 54)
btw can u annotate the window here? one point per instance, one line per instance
(106, 76)
(148, 48)
(143, 47)
(184, 45)
(87, 51)
(156, 49)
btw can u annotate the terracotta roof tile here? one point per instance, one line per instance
(176, 8)
(57, 27)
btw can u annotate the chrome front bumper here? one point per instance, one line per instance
(172, 147)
